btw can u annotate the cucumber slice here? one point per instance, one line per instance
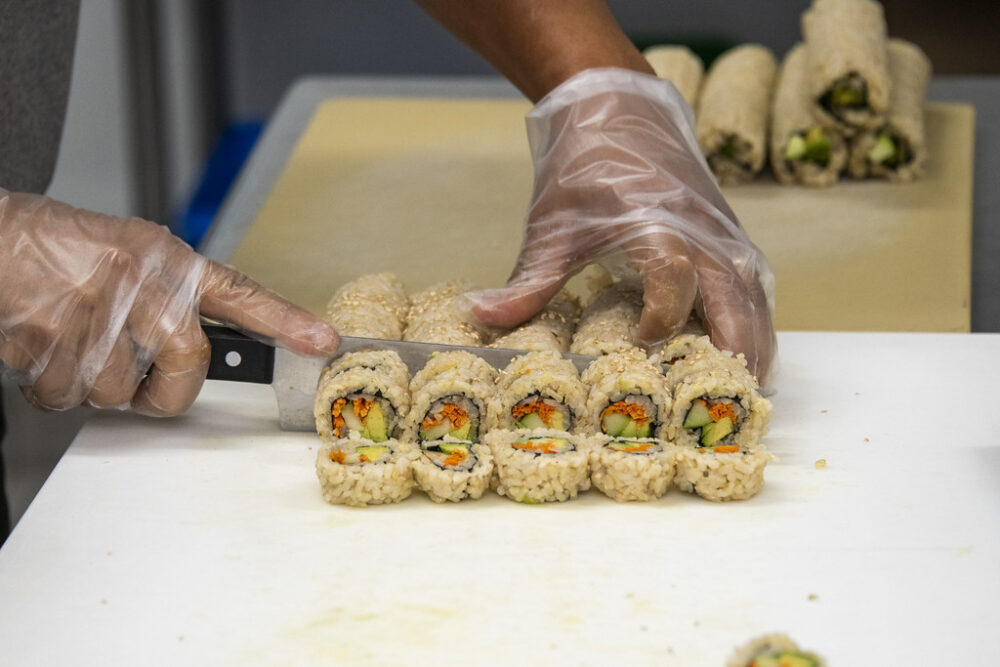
(643, 431)
(530, 420)
(818, 146)
(376, 425)
(713, 433)
(351, 420)
(795, 148)
(435, 432)
(631, 429)
(697, 416)
(372, 453)
(462, 433)
(883, 149)
(614, 423)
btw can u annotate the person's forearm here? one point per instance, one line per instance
(538, 44)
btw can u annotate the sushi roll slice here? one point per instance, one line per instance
(628, 397)
(362, 403)
(802, 149)
(541, 390)
(371, 306)
(848, 75)
(896, 150)
(433, 316)
(775, 650)
(359, 472)
(453, 397)
(552, 329)
(633, 469)
(732, 114)
(609, 323)
(539, 466)
(680, 66)
(717, 421)
(449, 470)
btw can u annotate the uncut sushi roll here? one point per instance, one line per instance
(370, 306)
(452, 397)
(633, 469)
(680, 66)
(609, 323)
(540, 390)
(539, 466)
(433, 316)
(360, 472)
(552, 329)
(732, 114)
(896, 150)
(774, 650)
(679, 347)
(848, 75)
(361, 402)
(449, 470)
(384, 361)
(628, 397)
(802, 149)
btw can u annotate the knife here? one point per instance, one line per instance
(239, 358)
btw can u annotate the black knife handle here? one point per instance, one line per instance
(238, 358)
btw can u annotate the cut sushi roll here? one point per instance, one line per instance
(539, 466)
(609, 323)
(896, 150)
(680, 66)
(848, 77)
(362, 403)
(453, 471)
(359, 472)
(733, 110)
(552, 329)
(370, 306)
(627, 397)
(433, 316)
(775, 650)
(802, 149)
(633, 470)
(540, 390)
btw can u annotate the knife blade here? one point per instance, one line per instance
(239, 358)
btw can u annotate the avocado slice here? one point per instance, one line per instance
(848, 95)
(436, 432)
(452, 447)
(631, 429)
(883, 150)
(643, 430)
(375, 424)
(615, 423)
(786, 659)
(528, 500)
(530, 420)
(713, 433)
(817, 146)
(372, 452)
(558, 421)
(462, 433)
(795, 148)
(697, 416)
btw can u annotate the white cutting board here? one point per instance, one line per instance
(204, 541)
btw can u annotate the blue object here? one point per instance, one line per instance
(223, 166)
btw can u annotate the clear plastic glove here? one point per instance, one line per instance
(620, 180)
(104, 311)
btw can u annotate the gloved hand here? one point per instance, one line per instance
(101, 310)
(620, 180)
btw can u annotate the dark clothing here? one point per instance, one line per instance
(37, 38)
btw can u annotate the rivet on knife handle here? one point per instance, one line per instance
(238, 358)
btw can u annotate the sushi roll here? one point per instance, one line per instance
(371, 306)
(360, 402)
(633, 469)
(628, 397)
(802, 149)
(449, 470)
(359, 472)
(896, 150)
(680, 66)
(383, 361)
(433, 316)
(541, 390)
(732, 113)
(679, 347)
(775, 650)
(609, 323)
(717, 421)
(552, 329)
(539, 466)
(453, 397)
(848, 74)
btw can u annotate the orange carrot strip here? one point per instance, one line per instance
(338, 421)
(338, 455)
(726, 449)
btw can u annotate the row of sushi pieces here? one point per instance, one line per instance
(539, 431)
(847, 98)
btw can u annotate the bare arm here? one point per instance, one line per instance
(538, 44)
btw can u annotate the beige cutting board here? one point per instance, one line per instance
(435, 188)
